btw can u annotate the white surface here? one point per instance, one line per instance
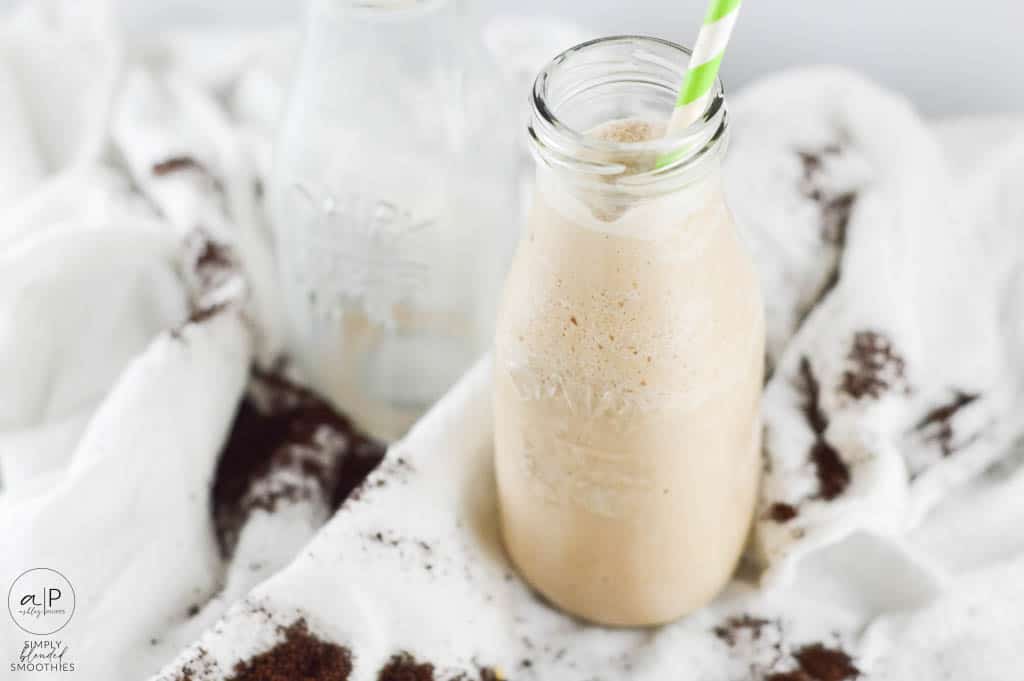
(949, 57)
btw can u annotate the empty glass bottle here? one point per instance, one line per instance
(393, 204)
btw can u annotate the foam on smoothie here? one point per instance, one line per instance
(630, 131)
(604, 206)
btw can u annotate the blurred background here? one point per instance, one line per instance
(948, 57)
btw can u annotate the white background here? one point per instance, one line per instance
(949, 57)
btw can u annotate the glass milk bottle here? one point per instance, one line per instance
(629, 348)
(393, 204)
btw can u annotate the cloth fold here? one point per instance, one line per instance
(903, 376)
(155, 448)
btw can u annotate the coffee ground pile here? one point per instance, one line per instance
(818, 662)
(301, 656)
(404, 667)
(286, 446)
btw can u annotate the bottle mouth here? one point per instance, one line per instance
(621, 77)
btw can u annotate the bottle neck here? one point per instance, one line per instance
(586, 89)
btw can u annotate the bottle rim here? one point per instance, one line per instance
(655, 64)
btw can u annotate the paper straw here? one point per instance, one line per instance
(703, 68)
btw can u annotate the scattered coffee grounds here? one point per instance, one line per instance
(937, 424)
(393, 471)
(213, 255)
(782, 513)
(200, 667)
(216, 279)
(201, 314)
(816, 418)
(730, 630)
(811, 163)
(832, 472)
(403, 667)
(212, 263)
(486, 674)
(816, 662)
(875, 366)
(177, 164)
(301, 656)
(835, 216)
(826, 664)
(385, 539)
(286, 445)
(834, 209)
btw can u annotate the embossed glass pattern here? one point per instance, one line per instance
(393, 203)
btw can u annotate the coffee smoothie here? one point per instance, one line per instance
(628, 372)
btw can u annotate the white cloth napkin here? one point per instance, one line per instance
(893, 289)
(136, 291)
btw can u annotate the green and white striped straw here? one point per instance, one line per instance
(703, 68)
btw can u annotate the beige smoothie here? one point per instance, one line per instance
(628, 372)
